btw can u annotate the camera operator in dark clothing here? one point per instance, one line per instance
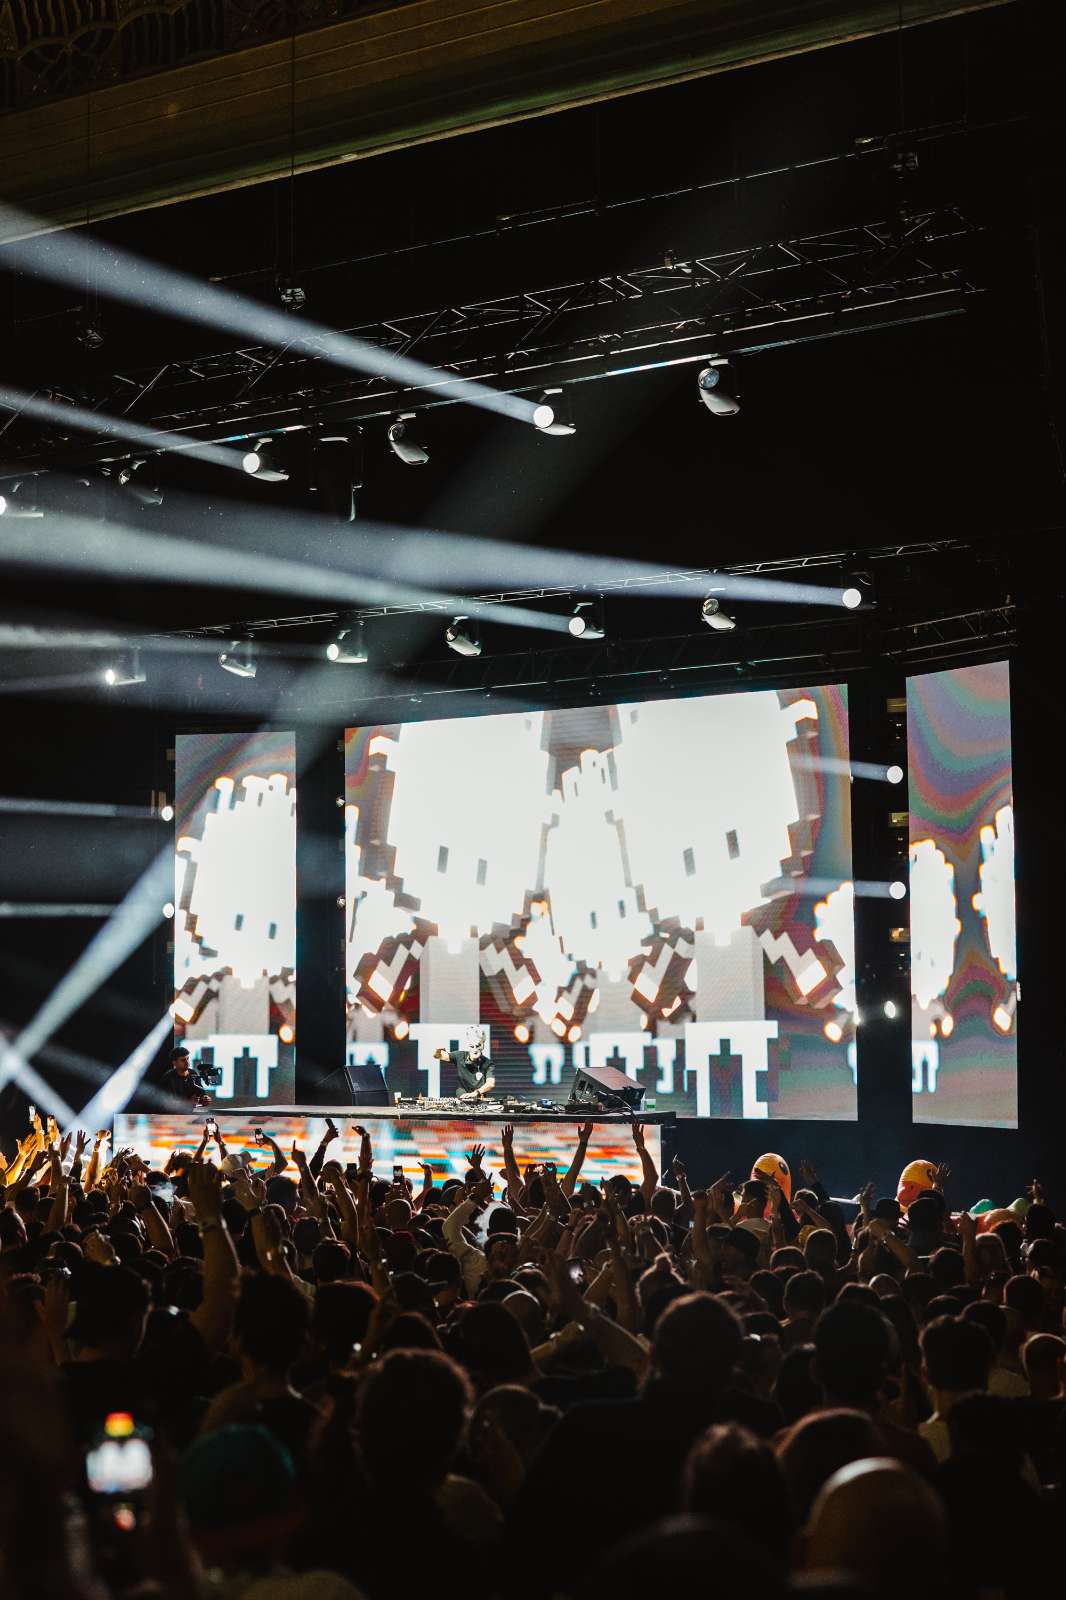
(183, 1081)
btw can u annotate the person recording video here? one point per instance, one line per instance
(183, 1081)
(473, 1067)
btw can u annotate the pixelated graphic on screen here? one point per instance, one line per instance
(235, 918)
(663, 887)
(964, 963)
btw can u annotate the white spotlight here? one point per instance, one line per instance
(856, 590)
(239, 658)
(262, 463)
(404, 446)
(851, 597)
(897, 890)
(587, 621)
(126, 669)
(552, 415)
(166, 813)
(718, 389)
(168, 910)
(894, 774)
(461, 635)
(891, 1009)
(17, 501)
(713, 615)
(348, 648)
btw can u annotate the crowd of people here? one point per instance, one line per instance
(304, 1380)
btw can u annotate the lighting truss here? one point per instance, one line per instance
(903, 268)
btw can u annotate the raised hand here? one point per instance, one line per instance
(584, 1133)
(507, 1136)
(99, 1249)
(678, 1169)
(637, 1131)
(331, 1131)
(1035, 1192)
(249, 1192)
(941, 1174)
(298, 1156)
(205, 1192)
(81, 1143)
(476, 1156)
(808, 1173)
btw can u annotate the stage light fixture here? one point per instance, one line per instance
(19, 499)
(718, 389)
(894, 773)
(552, 415)
(125, 670)
(141, 488)
(166, 813)
(403, 446)
(856, 589)
(713, 615)
(897, 889)
(587, 621)
(401, 1029)
(239, 658)
(462, 636)
(262, 463)
(348, 648)
(168, 910)
(522, 1033)
(891, 1009)
(286, 1033)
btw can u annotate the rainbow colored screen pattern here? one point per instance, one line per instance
(664, 888)
(444, 1142)
(964, 962)
(235, 910)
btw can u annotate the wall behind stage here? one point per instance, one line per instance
(235, 909)
(666, 887)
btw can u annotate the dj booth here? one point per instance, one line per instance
(441, 1132)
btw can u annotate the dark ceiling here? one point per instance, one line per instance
(929, 418)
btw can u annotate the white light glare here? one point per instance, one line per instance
(891, 1009)
(349, 647)
(166, 814)
(547, 419)
(168, 910)
(894, 773)
(897, 890)
(125, 671)
(851, 598)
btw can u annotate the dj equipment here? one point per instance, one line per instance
(605, 1089)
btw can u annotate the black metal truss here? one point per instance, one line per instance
(646, 579)
(811, 650)
(908, 267)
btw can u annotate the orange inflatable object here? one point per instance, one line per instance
(777, 1167)
(915, 1179)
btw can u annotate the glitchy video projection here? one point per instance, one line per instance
(664, 888)
(235, 916)
(964, 961)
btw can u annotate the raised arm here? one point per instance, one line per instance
(342, 1197)
(647, 1165)
(93, 1174)
(573, 1171)
(156, 1225)
(279, 1163)
(213, 1317)
(58, 1191)
(324, 1143)
(510, 1167)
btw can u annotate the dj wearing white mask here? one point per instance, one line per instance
(472, 1065)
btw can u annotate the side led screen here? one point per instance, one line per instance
(235, 910)
(964, 965)
(662, 888)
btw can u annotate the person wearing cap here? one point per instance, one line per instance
(183, 1081)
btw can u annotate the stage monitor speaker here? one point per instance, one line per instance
(366, 1085)
(607, 1089)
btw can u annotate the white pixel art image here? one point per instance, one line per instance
(235, 924)
(935, 928)
(996, 903)
(660, 854)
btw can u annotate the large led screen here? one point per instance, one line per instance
(964, 964)
(235, 910)
(664, 888)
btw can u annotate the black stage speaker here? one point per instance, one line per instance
(366, 1085)
(605, 1089)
